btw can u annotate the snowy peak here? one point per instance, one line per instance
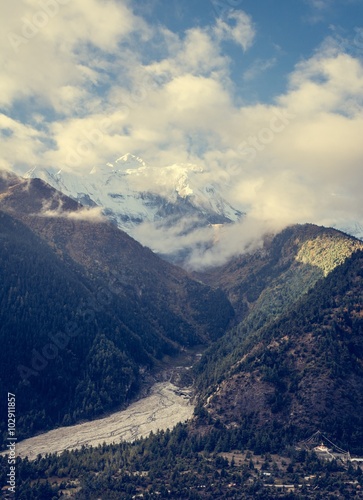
(107, 169)
(131, 192)
(178, 179)
(130, 161)
(162, 207)
(126, 164)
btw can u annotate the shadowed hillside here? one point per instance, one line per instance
(117, 308)
(304, 371)
(267, 283)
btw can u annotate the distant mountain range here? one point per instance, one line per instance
(131, 193)
(176, 197)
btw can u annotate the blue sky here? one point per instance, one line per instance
(264, 95)
(287, 31)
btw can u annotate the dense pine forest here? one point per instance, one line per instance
(185, 464)
(298, 373)
(309, 358)
(83, 329)
(74, 344)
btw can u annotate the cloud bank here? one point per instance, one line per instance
(86, 81)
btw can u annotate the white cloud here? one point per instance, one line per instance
(54, 208)
(51, 46)
(257, 67)
(87, 214)
(236, 26)
(21, 144)
(296, 174)
(207, 246)
(295, 161)
(198, 54)
(320, 4)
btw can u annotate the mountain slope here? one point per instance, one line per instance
(50, 333)
(265, 284)
(146, 283)
(286, 267)
(304, 371)
(65, 270)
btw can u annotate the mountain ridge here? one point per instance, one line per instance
(131, 308)
(265, 284)
(127, 192)
(303, 371)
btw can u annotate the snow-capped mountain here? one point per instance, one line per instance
(175, 210)
(132, 192)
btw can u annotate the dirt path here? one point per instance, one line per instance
(163, 408)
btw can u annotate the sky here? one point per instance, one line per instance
(266, 96)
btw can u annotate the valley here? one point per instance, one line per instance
(166, 398)
(181, 250)
(111, 308)
(113, 343)
(165, 406)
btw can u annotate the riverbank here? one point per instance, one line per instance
(165, 406)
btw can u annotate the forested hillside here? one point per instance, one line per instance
(300, 373)
(262, 387)
(86, 310)
(265, 284)
(173, 302)
(64, 355)
(179, 464)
